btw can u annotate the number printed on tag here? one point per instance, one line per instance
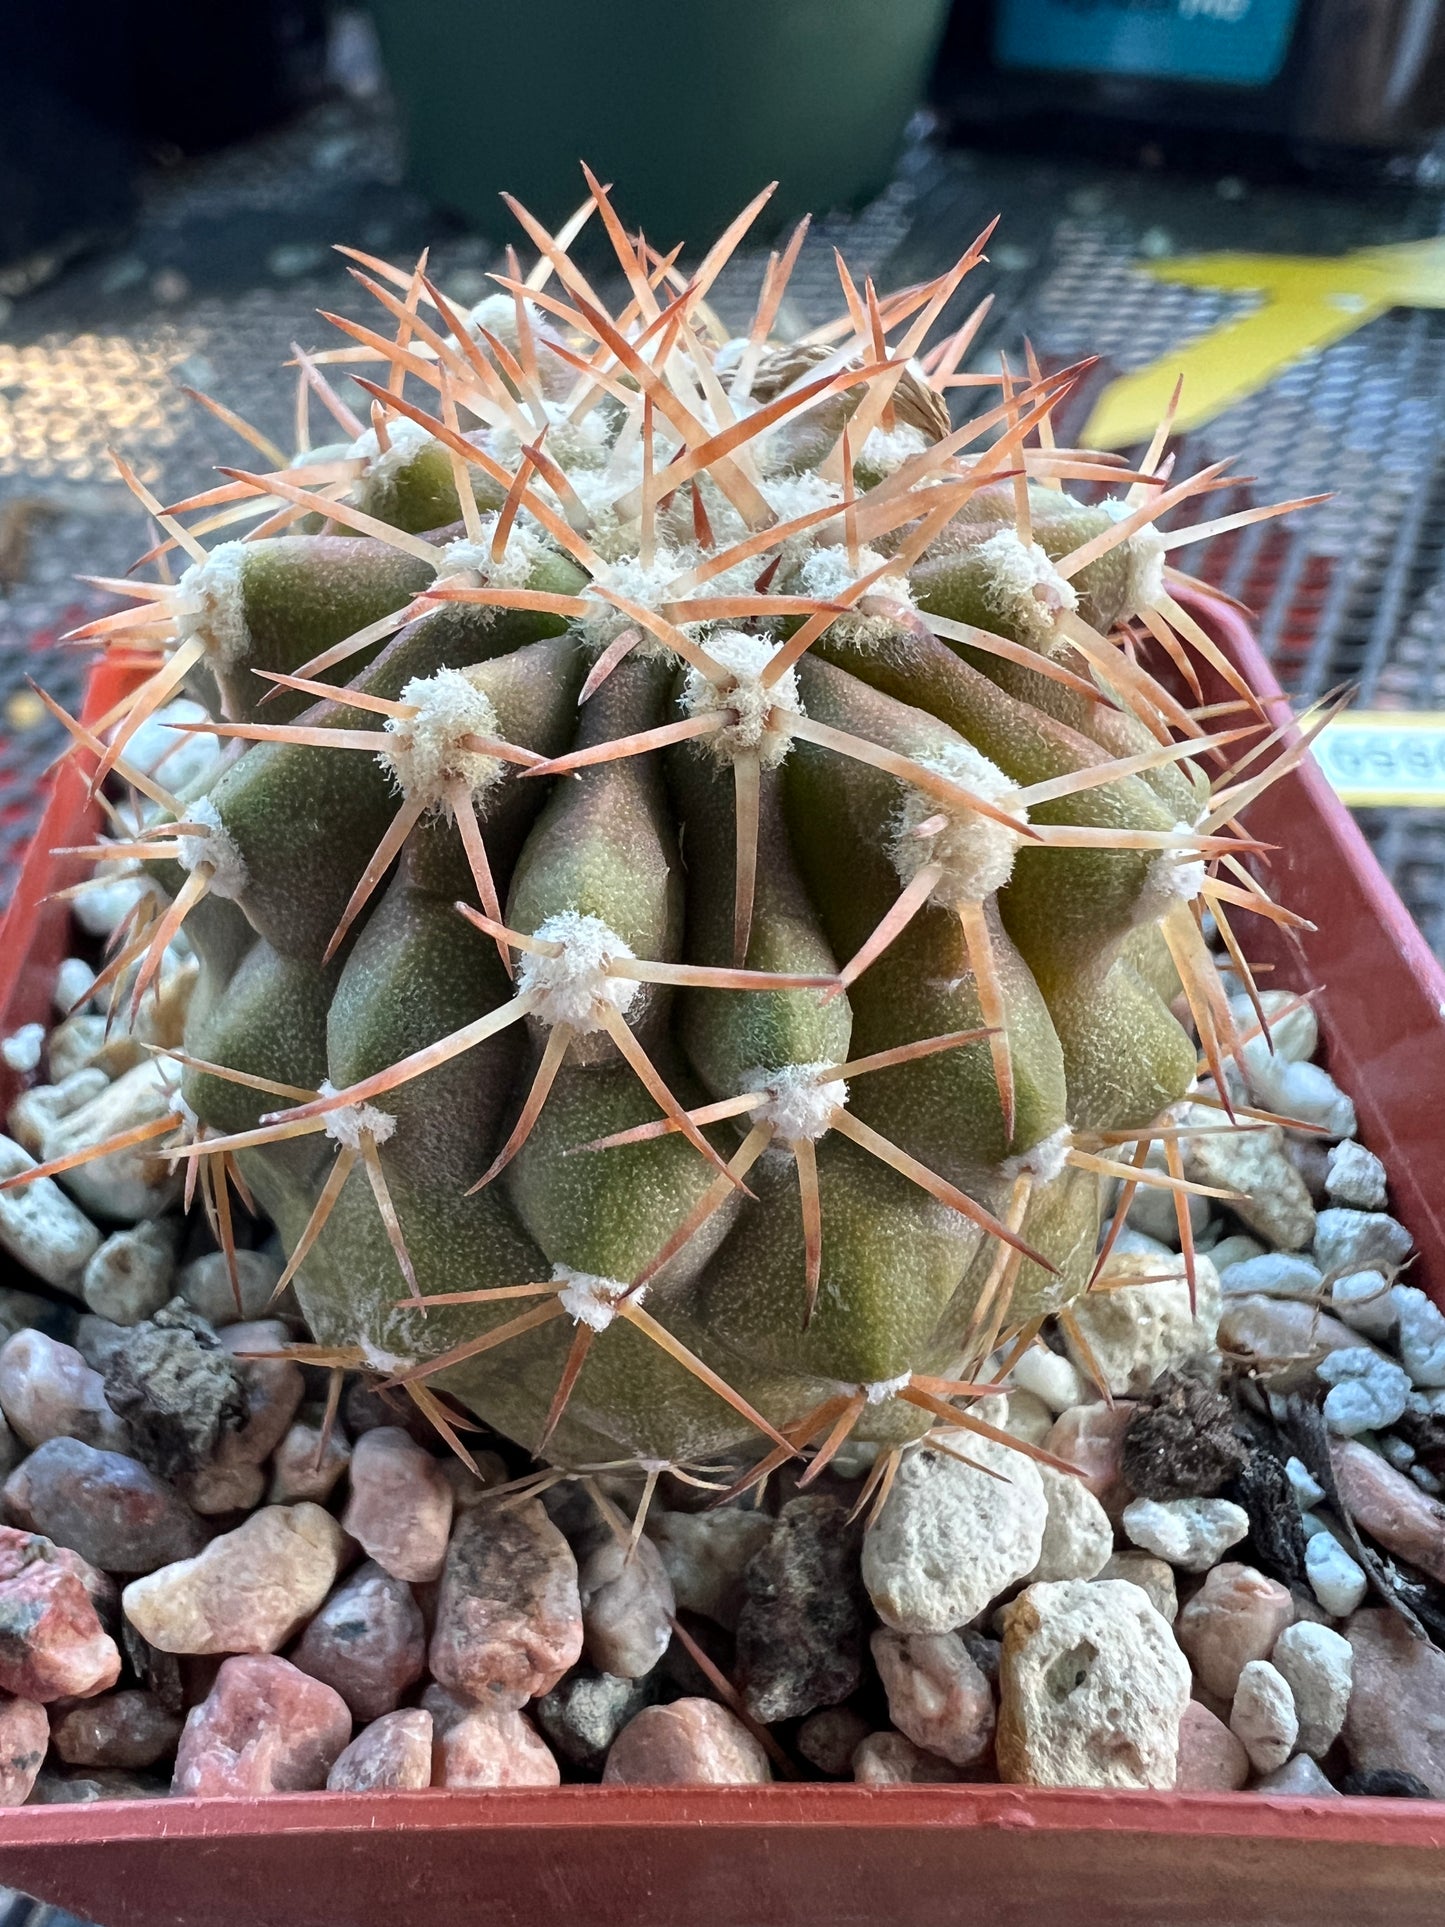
(1374, 758)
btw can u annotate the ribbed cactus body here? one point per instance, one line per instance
(825, 842)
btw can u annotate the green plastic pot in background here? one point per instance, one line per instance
(689, 107)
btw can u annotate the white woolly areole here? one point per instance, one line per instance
(745, 697)
(427, 753)
(497, 313)
(214, 846)
(875, 1391)
(1174, 876)
(572, 445)
(798, 1105)
(649, 586)
(590, 1300)
(574, 985)
(1044, 1160)
(220, 619)
(347, 1123)
(887, 449)
(798, 494)
(404, 436)
(828, 572)
(975, 853)
(512, 569)
(1145, 553)
(1024, 584)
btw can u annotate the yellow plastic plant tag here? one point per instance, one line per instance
(1374, 758)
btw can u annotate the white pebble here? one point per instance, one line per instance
(1263, 1716)
(1051, 1377)
(1192, 1533)
(1278, 1274)
(1355, 1176)
(99, 909)
(181, 759)
(951, 1536)
(1307, 1489)
(130, 1276)
(1428, 1482)
(1153, 1210)
(1367, 1391)
(1027, 1418)
(1399, 1452)
(1293, 1027)
(1305, 1091)
(1318, 1666)
(124, 1185)
(1078, 1537)
(1140, 1244)
(72, 986)
(35, 1113)
(39, 1226)
(1427, 1404)
(1234, 1250)
(1359, 1240)
(21, 1049)
(1365, 1301)
(1336, 1580)
(1422, 1337)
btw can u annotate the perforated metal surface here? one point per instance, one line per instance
(231, 260)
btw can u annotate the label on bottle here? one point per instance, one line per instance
(1375, 758)
(1240, 42)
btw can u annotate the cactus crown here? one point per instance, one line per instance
(694, 901)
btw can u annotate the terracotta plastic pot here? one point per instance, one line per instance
(824, 1855)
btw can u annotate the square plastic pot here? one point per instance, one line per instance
(828, 1855)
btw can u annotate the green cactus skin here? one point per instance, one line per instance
(831, 1233)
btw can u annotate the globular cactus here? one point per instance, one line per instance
(700, 897)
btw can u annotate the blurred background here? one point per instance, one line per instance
(170, 192)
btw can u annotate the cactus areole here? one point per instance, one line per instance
(703, 892)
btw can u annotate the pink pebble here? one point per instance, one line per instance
(1396, 1715)
(1235, 1617)
(306, 1466)
(47, 1391)
(1211, 1759)
(368, 1641)
(1390, 1507)
(509, 1615)
(264, 1727)
(52, 1643)
(24, 1737)
(890, 1759)
(400, 1507)
(691, 1742)
(477, 1746)
(1092, 1438)
(274, 1389)
(392, 1755)
(937, 1696)
(129, 1729)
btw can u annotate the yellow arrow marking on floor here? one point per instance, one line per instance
(1308, 302)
